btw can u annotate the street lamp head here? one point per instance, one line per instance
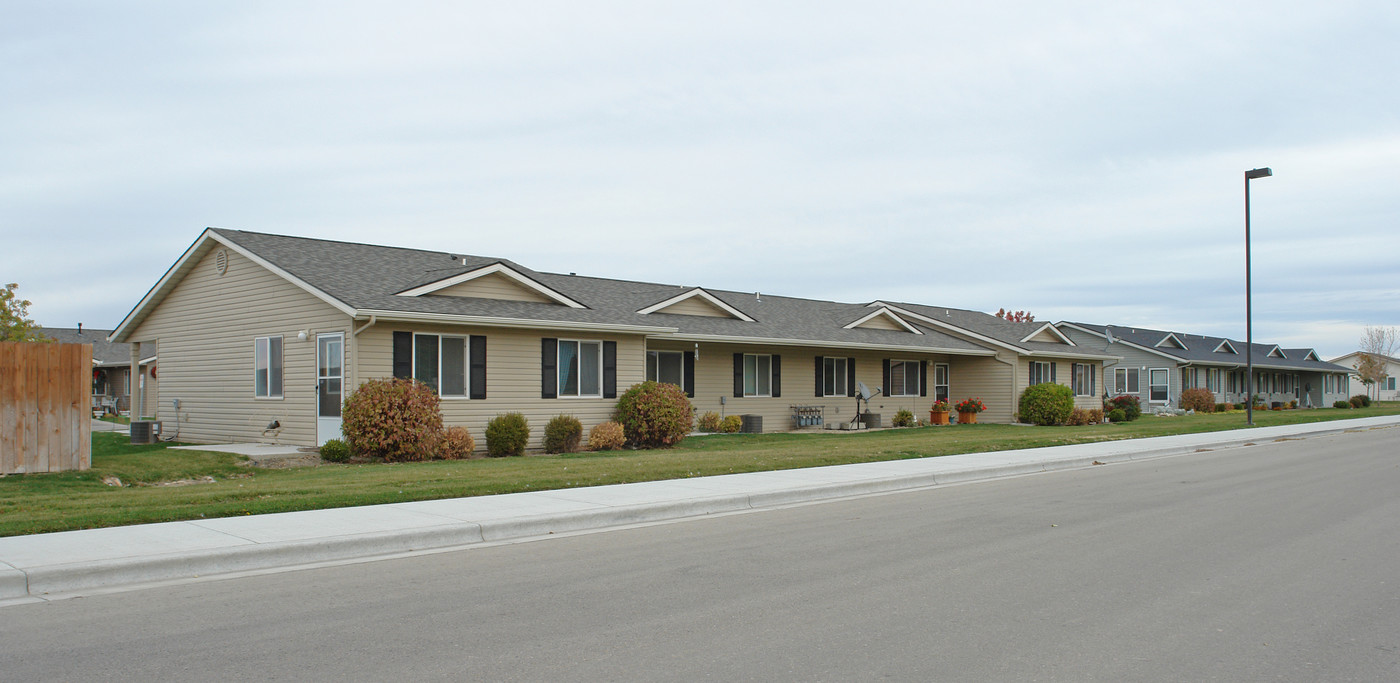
(1258, 173)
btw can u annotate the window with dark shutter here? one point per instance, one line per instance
(689, 380)
(738, 375)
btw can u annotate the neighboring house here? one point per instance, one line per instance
(111, 368)
(1158, 365)
(256, 329)
(1387, 391)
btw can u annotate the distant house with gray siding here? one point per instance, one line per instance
(111, 368)
(1157, 365)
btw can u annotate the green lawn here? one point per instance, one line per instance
(39, 503)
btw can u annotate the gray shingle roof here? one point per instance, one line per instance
(103, 352)
(1200, 349)
(367, 277)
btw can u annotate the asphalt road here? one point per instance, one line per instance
(1274, 562)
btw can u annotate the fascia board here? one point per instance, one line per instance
(1073, 326)
(489, 321)
(318, 293)
(1072, 356)
(138, 313)
(700, 292)
(495, 268)
(728, 339)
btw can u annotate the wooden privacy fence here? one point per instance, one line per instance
(45, 412)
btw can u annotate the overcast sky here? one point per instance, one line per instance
(1080, 160)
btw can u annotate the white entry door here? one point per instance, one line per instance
(330, 364)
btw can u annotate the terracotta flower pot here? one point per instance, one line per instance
(938, 417)
(967, 418)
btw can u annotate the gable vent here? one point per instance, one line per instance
(221, 261)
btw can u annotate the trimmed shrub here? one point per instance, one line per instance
(709, 422)
(606, 436)
(335, 450)
(562, 434)
(1096, 416)
(1224, 407)
(1117, 415)
(507, 434)
(1078, 417)
(1344, 405)
(1130, 404)
(453, 443)
(1198, 399)
(731, 424)
(1361, 401)
(903, 418)
(655, 415)
(1046, 404)
(393, 418)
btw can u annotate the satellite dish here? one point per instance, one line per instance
(864, 391)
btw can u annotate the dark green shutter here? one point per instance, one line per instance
(850, 377)
(476, 345)
(885, 387)
(609, 369)
(821, 388)
(549, 373)
(923, 378)
(403, 355)
(688, 367)
(738, 375)
(777, 376)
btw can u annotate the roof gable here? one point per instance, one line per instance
(1171, 341)
(1226, 347)
(496, 281)
(1276, 352)
(1048, 334)
(883, 319)
(698, 302)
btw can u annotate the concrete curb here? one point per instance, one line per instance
(228, 548)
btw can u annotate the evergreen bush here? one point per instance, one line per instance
(709, 422)
(731, 424)
(507, 434)
(335, 450)
(562, 434)
(903, 418)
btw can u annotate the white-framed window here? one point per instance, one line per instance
(580, 369)
(904, 378)
(440, 361)
(667, 367)
(1126, 381)
(1085, 376)
(267, 367)
(835, 372)
(1158, 390)
(1041, 372)
(758, 375)
(940, 382)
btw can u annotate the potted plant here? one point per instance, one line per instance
(938, 413)
(968, 409)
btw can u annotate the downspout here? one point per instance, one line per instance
(356, 332)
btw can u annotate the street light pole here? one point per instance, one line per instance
(1248, 299)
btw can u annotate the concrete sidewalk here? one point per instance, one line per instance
(67, 564)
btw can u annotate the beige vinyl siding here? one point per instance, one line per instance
(513, 372)
(714, 378)
(206, 327)
(988, 379)
(696, 306)
(494, 286)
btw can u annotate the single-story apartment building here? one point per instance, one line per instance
(262, 336)
(1157, 365)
